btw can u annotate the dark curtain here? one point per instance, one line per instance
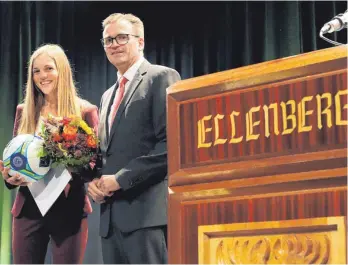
(195, 38)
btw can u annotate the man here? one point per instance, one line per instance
(133, 142)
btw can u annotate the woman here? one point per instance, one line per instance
(50, 89)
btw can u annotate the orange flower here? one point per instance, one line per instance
(91, 142)
(69, 132)
(57, 137)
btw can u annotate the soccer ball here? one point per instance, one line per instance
(21, 155)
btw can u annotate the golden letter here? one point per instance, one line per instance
(286, 117)
(201, 132)
(302, 113)
(217, 131)
(338, 110)
(326, 111)
(250, 124)
(233, 126)
(273, 106)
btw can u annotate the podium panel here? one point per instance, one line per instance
(302, 241)
(262, 143)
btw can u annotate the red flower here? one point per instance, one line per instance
(66, 121)
(67, 144)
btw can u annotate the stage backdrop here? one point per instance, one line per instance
(195, 38)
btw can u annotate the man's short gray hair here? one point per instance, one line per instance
(137, 24)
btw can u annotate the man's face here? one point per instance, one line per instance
(125, 55)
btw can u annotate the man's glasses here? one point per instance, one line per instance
(121, 39)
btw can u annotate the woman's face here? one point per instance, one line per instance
(45, 74)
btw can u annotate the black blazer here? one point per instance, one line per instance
(136, 150)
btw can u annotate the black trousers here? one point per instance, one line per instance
(143, 246)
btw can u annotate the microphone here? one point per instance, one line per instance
(336, 24)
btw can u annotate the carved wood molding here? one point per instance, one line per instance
(303, 241)
(282, 249)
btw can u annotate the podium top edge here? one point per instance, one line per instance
(268, 67)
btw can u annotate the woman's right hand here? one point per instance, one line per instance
(15, 180)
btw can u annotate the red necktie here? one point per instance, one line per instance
(117, 101)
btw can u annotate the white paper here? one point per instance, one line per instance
(47, 190)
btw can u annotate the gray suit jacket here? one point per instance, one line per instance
(136, 150)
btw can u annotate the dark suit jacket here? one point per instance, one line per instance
(136, 150)
(90, 115)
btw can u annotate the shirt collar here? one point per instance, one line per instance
(130, 73)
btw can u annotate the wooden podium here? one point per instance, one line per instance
(258, 163)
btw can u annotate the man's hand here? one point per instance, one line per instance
(108, 184)
(93, 191)
(15, 180)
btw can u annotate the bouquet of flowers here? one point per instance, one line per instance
(69, 141)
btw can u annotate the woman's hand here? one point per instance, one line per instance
(15, 180)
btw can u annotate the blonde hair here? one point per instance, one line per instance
(137, 24)
(68, 101)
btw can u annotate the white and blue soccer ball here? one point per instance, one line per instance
(21, 155)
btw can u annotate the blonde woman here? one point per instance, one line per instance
(50, 89)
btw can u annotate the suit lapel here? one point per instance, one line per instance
(104, 124)
(128, 97)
